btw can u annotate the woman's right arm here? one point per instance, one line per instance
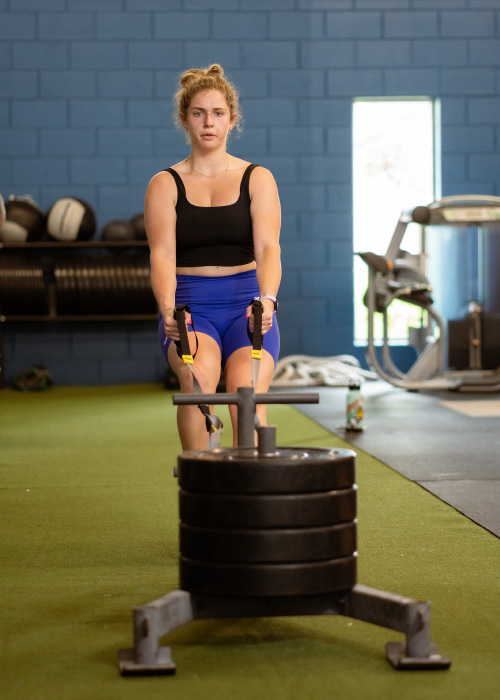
(160, 222)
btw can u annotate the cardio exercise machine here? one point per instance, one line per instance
(401, 275)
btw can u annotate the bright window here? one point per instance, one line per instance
(394, 168)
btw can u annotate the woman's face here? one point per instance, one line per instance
(208, 119)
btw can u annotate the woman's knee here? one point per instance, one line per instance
(207, 375)
(206, 370)
(238, 370)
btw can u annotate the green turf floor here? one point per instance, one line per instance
(88, 509)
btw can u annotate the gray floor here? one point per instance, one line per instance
(453, 455)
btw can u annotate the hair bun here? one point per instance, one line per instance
(196, 73)
(215, 69)
(190, 75)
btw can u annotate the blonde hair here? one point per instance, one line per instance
(197, 80)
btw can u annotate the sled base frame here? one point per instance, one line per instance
(156, 619)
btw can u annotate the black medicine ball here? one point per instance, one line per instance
(24, 221)
(137, 222)
(118, 230)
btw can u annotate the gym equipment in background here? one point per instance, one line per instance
(137, 222)
(118, 230)
(24, 221)
(71, 219)
(22, 287)
(267, 532)
(98, 285)
(33, 378)
(400, 275)
(55, 279)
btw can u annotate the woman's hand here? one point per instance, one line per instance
(170, 324)
(267, 315)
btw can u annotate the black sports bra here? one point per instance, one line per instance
(214, 235)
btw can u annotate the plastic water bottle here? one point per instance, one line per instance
(354, 417)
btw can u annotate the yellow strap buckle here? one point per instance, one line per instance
(187, 359)
(256, 354)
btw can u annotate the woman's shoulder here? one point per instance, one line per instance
(240, 164)
(262, 184)
(164, 178)
(162, 185)
(261, 176)
(259, 173)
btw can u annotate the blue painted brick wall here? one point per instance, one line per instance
(85, 110)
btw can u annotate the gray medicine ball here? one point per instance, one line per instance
(118, 230)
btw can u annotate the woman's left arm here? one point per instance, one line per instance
(265, 211)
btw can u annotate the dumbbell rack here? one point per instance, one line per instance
(176, 609)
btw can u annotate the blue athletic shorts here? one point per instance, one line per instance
(218, 308)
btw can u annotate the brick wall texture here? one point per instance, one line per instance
(86, 110)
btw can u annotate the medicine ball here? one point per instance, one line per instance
(71, 219)
(118, 230)
(24, 221)
(137, 222)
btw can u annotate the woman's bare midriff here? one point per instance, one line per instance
(215, 270)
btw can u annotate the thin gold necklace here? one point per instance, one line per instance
(204, 174)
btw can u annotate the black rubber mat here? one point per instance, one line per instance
(428, 438)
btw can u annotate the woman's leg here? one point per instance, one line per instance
(207, 367)
(238, 372)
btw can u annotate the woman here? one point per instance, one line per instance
(213, 223)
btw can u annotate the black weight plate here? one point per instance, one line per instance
(58, 278)
(108, 291)
(309, 578)
(73, 288)
(282, 545)
(123, 282)
(243, 470)
(64, 276)
(78, 282)
(22, 288)
(97, 288)
(119, 286)
(267, 510)
(38, 292)
(147, 298)
(37, 295)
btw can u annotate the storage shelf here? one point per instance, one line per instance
(73, 244)
(79, 317)
(48, 253)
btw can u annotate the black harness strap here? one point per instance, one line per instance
(256, 339)
(213, 423)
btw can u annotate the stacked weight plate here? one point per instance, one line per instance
(267, 525)
(22, 288)
(96, 285)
